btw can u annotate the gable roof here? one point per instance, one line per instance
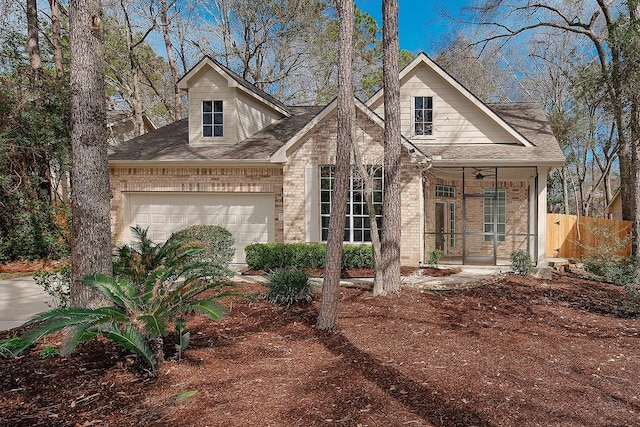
(234, 81)
(282, 153)
(529, 119)
(171, 143)
(423, 59)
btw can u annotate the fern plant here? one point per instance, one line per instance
(143, 305)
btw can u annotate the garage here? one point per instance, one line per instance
(248, 216)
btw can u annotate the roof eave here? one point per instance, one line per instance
(193, 163)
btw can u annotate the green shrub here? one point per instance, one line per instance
(623, 272)
(218, 242)
(435, 256)
(288, 287)
(521, 262)
(273, 256)
(55, 283)
(357, 257)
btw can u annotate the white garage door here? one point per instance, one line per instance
(249, 217)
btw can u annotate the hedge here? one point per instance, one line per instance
(272, 256)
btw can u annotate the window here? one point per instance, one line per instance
(445, 191)
(212, 121)
(357, 226)
(423, 115)
(490, 204)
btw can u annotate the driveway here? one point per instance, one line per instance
(19, 300)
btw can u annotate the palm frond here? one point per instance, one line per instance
(131, 339)
(106, 285)
(154, 324)
(74, 318)
(73, 315)
(78, 334)
(210, 307)
(13, 346)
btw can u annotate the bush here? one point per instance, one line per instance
(357, 257)
(273, 256)
(521, 262)
(623, 272)
(56, 283)
(218, 242)
(435, 256)
(604, 260)
(288, 287)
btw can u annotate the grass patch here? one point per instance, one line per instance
(7, 276)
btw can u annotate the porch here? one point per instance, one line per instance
(479, 215)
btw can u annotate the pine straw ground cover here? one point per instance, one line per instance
(512, 352)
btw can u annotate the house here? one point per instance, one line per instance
(473, 174)
(614, 209)
(121, 126)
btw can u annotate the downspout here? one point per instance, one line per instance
(537, 228)
(421, 213)
(464, 219)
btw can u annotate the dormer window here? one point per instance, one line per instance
(212, 119)
(423, 116)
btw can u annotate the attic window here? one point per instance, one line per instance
(212, 121)
(423, 115)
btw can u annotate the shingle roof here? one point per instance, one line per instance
(253, 88)
(171, 142)
(528, 119)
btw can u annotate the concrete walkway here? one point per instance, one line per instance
(19, 300)
(468, 275)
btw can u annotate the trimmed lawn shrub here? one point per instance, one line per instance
(273, 256)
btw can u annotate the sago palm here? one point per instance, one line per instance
(143, 306)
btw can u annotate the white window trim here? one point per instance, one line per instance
(433, 116)
(202, 124)
(351, 217)
(502, 237)
(452, 224)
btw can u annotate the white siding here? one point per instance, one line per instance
(207, 85)
(456, 119)
(253, 116)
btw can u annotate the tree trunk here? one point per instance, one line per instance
(367, 177)
(33, 44)
(632, 188)
(328, 316)
(392, 147)
(91, 233)
(56, 38)
(164, 25)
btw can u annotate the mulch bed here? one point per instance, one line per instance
(367, 272)
(514, 352)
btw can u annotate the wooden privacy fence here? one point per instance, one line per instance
(571, 236)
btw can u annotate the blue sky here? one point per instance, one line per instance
(420, 25)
